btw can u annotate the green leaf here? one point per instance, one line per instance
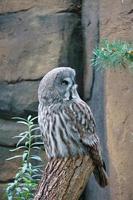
(36, 148)
(22, 139)
(17, 136)
(17, 156)
(19, 118)
(111, 54)
(34, 129)
(36, 158)
(23, 133)
(37, 166)
(29, 118)
(36, 143)
(22, 122)
(24, 168)
(34, 118)
(28, 175)
(35, 136)
(32, 126)
(25, 155)
(21, 147)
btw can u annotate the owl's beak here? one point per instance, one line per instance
(74, 91)
(75, 86)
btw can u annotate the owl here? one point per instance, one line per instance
(66, 121)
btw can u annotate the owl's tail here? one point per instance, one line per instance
(101, 176)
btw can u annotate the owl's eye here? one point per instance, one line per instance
(65, 82)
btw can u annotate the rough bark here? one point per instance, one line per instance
(64, 179)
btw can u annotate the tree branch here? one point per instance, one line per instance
(64, 179)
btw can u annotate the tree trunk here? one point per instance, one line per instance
(64, 179)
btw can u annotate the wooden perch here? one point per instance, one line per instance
(64, 179)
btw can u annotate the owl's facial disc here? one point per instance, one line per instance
(67, 82)
(57, 85)
(63, 86)
(70, 88)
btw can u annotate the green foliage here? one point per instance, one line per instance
(28, 175)
(113, 55)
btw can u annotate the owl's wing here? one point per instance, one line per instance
(83, 119)
(84, 122)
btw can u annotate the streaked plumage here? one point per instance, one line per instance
(66, 122)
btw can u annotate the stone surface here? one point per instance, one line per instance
(8, 129)
(18, 99)
(8, 169)
(48, 6)
(33, 42)
(38, 35)
(35, 36)
(116, 19)
(116, 23)
(2, 191)
(94, 90)
(97, 104)
(119, 117)
(90, 21)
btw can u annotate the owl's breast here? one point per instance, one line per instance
(61, 136)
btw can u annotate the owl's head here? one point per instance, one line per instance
(57, 85)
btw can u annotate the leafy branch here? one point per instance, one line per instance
(114, 54)
(28, 175)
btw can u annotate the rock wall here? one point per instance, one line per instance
(38, 35)
(35, 36)
(117, 23)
